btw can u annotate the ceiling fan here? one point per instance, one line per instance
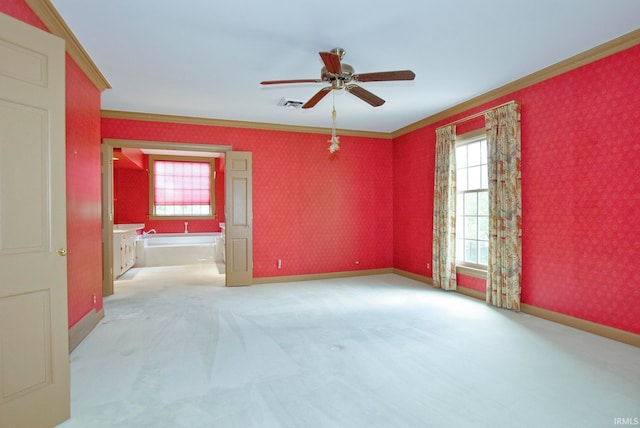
(342, 76)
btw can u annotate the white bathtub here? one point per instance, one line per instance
(168, 249)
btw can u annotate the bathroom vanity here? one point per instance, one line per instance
(124, 247)
(220, 245)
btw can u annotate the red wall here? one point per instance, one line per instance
(131, 202)
(84, 216)
(580, 191)
(315, 211)
(20, 10)
(413, 157)
(84, 238)
(322, 213)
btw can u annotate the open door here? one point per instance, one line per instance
(238, 219)
(34, 350)
(107, 219)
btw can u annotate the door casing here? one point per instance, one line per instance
(107, 191)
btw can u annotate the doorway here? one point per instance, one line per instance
(144, 148)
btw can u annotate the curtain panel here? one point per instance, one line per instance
(444, 210)
(504, 270)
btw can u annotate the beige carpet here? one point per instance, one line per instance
(178, 349)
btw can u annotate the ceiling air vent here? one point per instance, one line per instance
(286, 102)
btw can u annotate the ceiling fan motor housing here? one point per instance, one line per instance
(338, 80)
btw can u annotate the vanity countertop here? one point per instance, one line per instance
(122, 228)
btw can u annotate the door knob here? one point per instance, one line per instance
(62, 252)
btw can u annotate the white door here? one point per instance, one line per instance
(238, 218)
(34, 350)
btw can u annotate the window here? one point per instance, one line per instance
(181, 187)
(472, 209)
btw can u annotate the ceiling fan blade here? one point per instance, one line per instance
(384, 76)
(317, 97)
(277, 82)
(332, 62)
(364, 95)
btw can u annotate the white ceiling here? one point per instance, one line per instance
(206, 58)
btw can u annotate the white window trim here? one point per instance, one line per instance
(470, 269)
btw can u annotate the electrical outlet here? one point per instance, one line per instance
(279, 263)
(95, 299)
(428, 266)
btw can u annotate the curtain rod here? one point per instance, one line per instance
(480, 113)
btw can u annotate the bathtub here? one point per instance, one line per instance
(168, 249)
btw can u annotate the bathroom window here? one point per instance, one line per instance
(472, 207)
(181, 187)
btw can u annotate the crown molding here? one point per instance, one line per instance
(56, 25)
(609, 48)
(189, 120)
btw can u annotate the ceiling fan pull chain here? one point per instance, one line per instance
(335, 140)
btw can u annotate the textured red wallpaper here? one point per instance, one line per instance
(413, 162)
(582, 202)
(580, 190)
(315, 211)
(84, 216)
(131, 203)
(20, 10)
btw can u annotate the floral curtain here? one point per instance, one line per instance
(504, 270)
(444, 210)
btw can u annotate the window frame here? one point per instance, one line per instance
(212, 186)
(472, 269)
